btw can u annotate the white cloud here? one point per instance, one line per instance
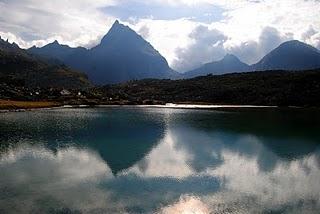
(311, 36)
(253, 28)
(193, 3)
(206, 46)
(38, 22)
(34, 173)
(166, 35)
(286, 16)
(156, 163)
(254, 178)
(243, 22)
(252, 51)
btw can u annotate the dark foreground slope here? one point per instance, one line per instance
(281, 88)
(19, 68)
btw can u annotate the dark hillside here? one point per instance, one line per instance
(281, 88)
(19, 68)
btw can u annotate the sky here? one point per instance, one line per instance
(188, 33)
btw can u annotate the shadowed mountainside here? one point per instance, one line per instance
(122, 55)
(292, 55)
(229, 64)
(289, 56)
(20, 68)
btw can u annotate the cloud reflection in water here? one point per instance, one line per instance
(189, 170)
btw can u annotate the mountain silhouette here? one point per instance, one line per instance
(122, 55)
(229, 64)
(57, 51)
(17, 66)
(291, 55)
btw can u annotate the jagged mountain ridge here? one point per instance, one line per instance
(122, 55)
(18, 67)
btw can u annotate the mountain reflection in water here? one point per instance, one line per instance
(133, 160)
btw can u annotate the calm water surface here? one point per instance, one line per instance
(148, 160)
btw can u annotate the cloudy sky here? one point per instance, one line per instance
(187, 32)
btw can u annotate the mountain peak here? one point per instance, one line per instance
(116, 22)
(230, 57)
(55, 42)
(293, 42)
(118, 25)
(15, 45)
(228, 64)
(290, 55)
(296, 44)
(122, 55)
(117, 31)
(6, 45)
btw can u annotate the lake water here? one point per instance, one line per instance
(153, 160)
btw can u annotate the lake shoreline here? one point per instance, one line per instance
(21, 106)
(15, 105)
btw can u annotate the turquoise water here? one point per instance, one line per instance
(152, 160)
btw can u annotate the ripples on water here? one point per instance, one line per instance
(132, 160)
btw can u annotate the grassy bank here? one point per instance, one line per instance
(15, 105)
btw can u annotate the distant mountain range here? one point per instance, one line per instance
(291, 55)
(18, 67)
(122, 55)
(228, 64)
